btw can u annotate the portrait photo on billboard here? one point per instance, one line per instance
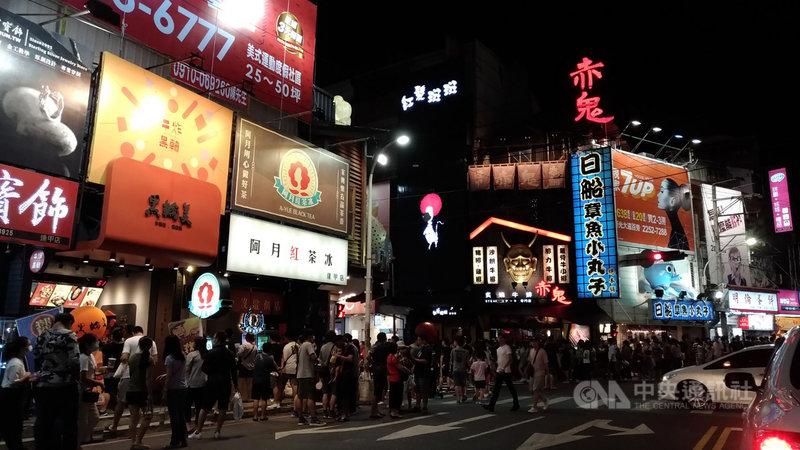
(653, 201)
(44, 91)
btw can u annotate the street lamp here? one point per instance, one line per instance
(654, 129)
(382, 159)
(676, 136)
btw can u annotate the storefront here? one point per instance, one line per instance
(752, 312)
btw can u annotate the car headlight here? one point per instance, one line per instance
(669, 376)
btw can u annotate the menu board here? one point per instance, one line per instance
(67, 295)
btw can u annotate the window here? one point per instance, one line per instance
(743, 360)
(794, 370)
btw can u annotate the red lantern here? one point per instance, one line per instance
(428, 330)
(89, 319)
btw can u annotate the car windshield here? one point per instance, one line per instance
(794, 371)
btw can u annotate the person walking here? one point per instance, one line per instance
(263, 366)
(540, 365)
(459, 356)
(479, 369)
(175, 389)
(129, 347)
(503, 374)
(88, 415)
(13, 394)
(138, 396)
(56, 389)
(245, 356)
(306, 361)
(219, 366)
(195, 380)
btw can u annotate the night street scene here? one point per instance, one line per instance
(378, 225)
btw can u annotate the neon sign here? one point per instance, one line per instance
(208, 294)
(544, 292)
(430, 96)
(430, 206)
(588, 107)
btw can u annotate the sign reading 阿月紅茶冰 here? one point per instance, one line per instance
(144, 117)
(266, 248)
(44, 91)
(268, 45)
(779, 197)
(430, 96)
(36, 209)
(289, 179)
(683, 310)
(208, 295)
(595, 229)
(588, 107)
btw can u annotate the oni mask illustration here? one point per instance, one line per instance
(520, 262)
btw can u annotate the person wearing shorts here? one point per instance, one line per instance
(478, 370)
(219, 366)
(422, 372)
(459, 356)
(304, 402)
(288, 371)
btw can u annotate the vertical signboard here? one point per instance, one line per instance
(595, 229)
(44, 90)
(779, 197)
(477, 265)
(549, 263)
(491, 265)
(653, 202)
(724, 214)
(563, 264)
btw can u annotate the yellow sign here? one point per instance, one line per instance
(785, 323)
(147, 118)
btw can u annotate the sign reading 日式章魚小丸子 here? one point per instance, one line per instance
(594, 224)
(682, 310)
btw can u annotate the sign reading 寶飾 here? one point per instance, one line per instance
(289, 179)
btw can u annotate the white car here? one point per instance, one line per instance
(701, 385)
(772, 421)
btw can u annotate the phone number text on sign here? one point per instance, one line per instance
(276, 60)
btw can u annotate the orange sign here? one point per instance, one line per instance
(144, 117)
(152, 211)
(653, 202)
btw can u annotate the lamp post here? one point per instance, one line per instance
(654, 129)
(379, 158)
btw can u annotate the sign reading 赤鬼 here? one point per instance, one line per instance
(683, 310)
(594, 224)
(266, 248)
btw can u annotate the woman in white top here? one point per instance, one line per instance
(13, 393)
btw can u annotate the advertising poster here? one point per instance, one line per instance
(779, 196)
(36, 209)
(44, 90)
(143, 117)
(266, 248)
(728, 221)
(653, 202)
(595, 229)
(34, 325)
(187, 330)
(286, 178)
(788, 301)
(268, 44)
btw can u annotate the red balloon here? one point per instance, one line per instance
(89, 319)
(428, 330)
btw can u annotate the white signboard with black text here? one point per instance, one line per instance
(266, 248)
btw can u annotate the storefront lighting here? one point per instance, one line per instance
(121, 263)
(151, 268)
(751, 241)
(147, 262)
(175, 266)
(190, 269)
(113, 257)
(225, 275)
(86, 259)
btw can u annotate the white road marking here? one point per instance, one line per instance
(418, 430)
(283, 434)
(501, 428)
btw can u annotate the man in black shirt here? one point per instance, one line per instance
(219, 365)
(422, 358)
(378, 355)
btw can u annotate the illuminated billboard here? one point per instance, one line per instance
(146, 118)
(779, 197)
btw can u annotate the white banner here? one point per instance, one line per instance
(752, 301)
(266, 248)
(729, 220)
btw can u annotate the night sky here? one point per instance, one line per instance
(709, 70)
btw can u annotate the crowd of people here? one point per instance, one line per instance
(65, 384)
